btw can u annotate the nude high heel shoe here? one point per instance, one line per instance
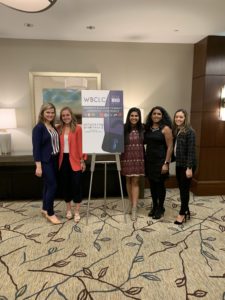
(69, 215)
(53, 219)
(134, 214)
(76, 217)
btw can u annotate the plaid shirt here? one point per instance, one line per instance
(185, 149)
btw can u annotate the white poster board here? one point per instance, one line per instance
(102, 121)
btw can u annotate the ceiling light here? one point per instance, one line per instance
(90, 27)
(33, 6)
(28, 25)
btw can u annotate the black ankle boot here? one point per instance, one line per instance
(152, 211)
(159, 213)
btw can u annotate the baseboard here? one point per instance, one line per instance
(208, 188)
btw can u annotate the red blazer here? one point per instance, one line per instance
(75, 148)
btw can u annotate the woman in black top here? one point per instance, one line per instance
(159, 140)
(184, 152)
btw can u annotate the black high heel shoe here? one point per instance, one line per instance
(183, 221)
(188, 214)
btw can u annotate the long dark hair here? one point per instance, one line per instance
(186, 125)
(166, 120)
(128, 128)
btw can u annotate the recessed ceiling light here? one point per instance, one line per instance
(90, 27)
(28, 25)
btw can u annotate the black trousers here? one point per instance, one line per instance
(70, 181)
(184, 184)
(50, 174)
(158, 191)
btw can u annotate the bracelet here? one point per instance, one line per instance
(166, 163)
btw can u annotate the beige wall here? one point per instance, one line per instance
(149, 74)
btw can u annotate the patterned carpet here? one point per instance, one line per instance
(110, 259)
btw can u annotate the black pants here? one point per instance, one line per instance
(184, 187)
(70, 181)
(50, 173)
(158, 191)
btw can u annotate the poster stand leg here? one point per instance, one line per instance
(105, 185)
(93, 158)
(121, 189)
(93, 162)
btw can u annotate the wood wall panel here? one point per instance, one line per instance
(198, 86)
(213, 85)
(210, 122)
(208, 79)
(198, 150)
(220, 136)
(199, 58)
(211, 164)
(196, 123)
(215, 60)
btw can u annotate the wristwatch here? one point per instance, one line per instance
(166, 163)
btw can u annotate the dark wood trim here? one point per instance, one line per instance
(206, 188)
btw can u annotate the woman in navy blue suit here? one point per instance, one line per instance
(45, 151)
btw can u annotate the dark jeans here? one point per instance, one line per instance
(70, 181)
(184, 187)
(50, 171)
(158, 192)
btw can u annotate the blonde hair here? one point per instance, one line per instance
(73, 123)
(44, 107)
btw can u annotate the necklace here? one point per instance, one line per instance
(154, 129)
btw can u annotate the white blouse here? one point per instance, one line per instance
(66, 143)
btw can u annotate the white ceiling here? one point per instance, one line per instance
(142, 21)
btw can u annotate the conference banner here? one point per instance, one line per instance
(102, 121)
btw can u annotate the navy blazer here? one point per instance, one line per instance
(42, 143)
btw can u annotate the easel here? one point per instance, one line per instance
(93, 162)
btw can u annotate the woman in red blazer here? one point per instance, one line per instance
(71, 161)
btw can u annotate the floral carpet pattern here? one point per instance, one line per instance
(111, 259)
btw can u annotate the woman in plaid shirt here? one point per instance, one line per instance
(185, 156)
